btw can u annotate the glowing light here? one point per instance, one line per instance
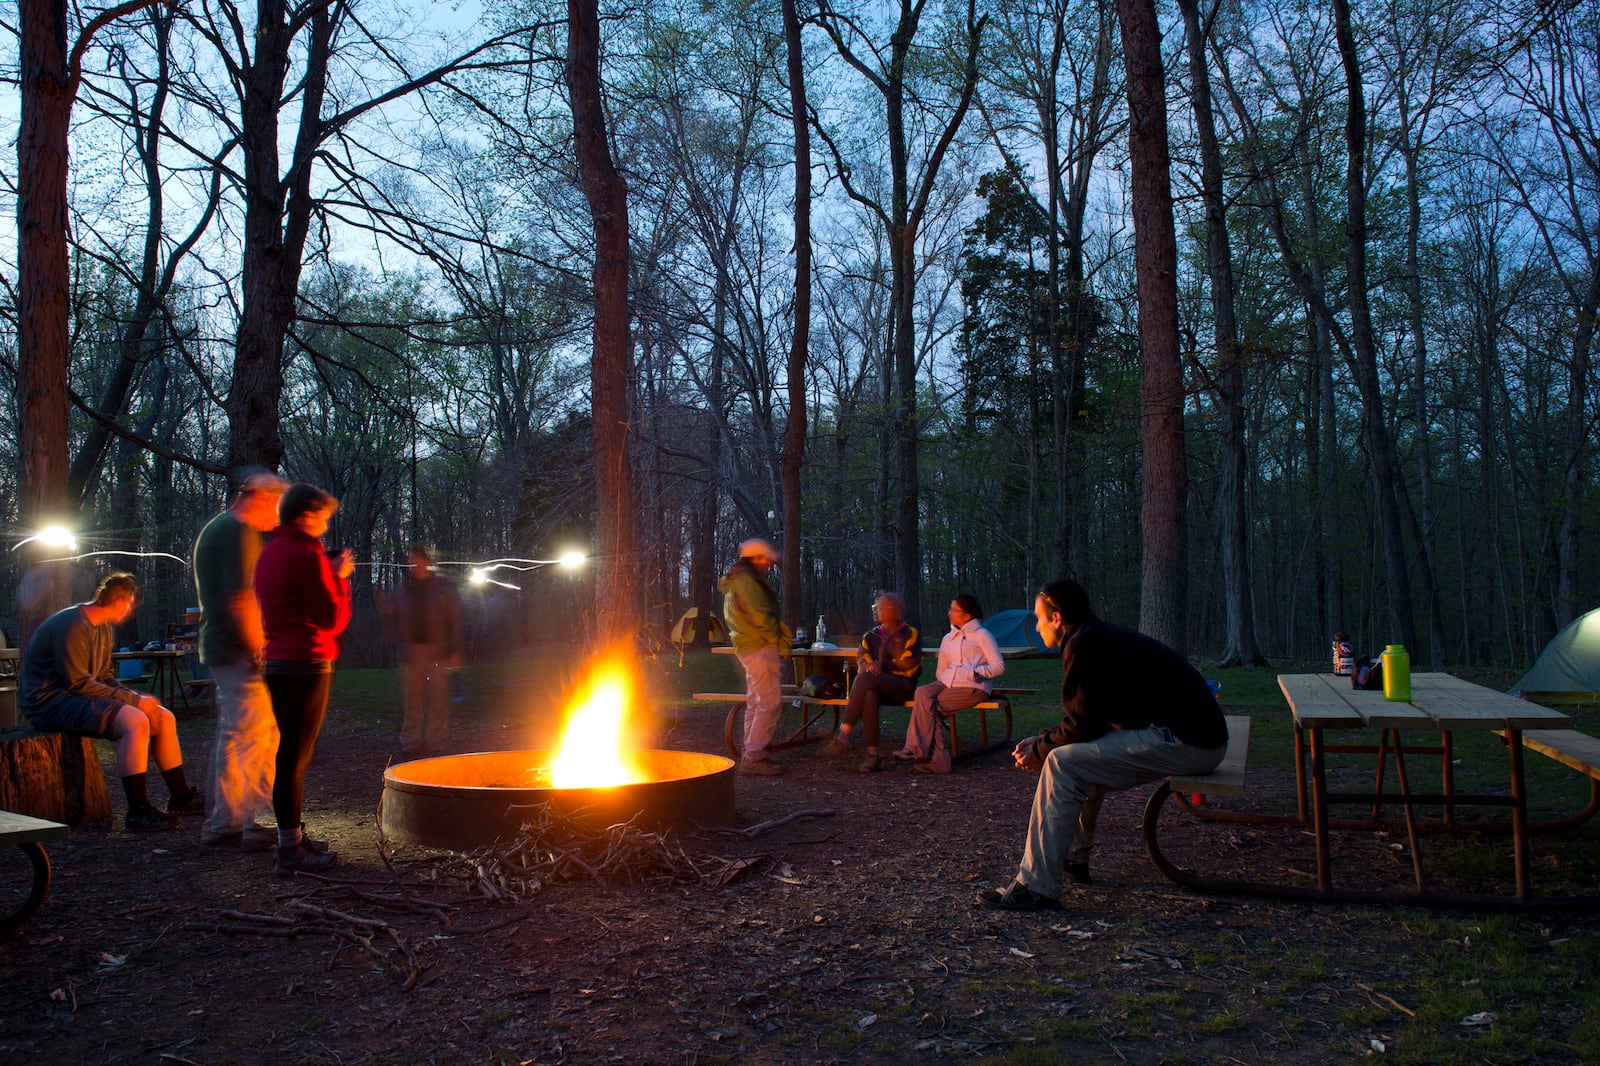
(592, 753)
(571, 560)
(58, 537)
(114, 551)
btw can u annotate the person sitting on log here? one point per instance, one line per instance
(889, 663)
(66, 686)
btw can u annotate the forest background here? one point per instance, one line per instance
(1387, 278)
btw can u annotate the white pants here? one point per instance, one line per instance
(1074, 779)
(928, 732)
(762, 669)
(242, 757)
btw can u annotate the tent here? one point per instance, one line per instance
(1014, 629)
(1568, 670)
(683, 632)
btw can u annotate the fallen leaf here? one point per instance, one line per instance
(58, 994)
(1019, 953)
(1378, 1046)
(866, 1021)
(1483, 1017)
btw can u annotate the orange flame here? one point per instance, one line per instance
(592, 752)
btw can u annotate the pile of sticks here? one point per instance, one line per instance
(554, 848)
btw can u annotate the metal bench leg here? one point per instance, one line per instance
(12, 922)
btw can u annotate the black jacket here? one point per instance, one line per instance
(1118, 678)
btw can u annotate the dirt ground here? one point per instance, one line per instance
(854, 939)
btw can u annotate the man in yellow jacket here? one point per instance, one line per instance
(761, 640)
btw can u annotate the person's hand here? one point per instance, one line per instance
(346, 564)
(150, 705)
(1026, 755)
(869, 667)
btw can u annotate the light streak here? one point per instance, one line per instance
(113, 551)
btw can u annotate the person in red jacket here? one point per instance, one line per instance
(305, 605)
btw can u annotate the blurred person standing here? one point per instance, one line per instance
(425, 612)
(761, 640)
(231, 639)
(305, 604)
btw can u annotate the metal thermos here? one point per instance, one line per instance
(1396, 673)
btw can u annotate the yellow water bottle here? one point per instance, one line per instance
(1396, 673)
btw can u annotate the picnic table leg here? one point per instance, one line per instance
(1319, 810)
(1300, 772)
(1411, 815)
(1447, 776)
(1519, 813)
(12, 922)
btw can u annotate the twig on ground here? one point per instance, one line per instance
(752, 831)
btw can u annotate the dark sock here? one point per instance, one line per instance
(177, 787)
(137, 792)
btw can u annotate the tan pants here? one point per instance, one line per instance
(425, 687)
(242, 758)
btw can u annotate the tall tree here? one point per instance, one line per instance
(794, 438)
(1241, 648)
(1380, 445)
(612, 369)
(49, 76)
(1164, 586)
(890, 72)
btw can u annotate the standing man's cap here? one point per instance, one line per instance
(755, 547)
(260, 479)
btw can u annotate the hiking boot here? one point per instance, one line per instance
(193, 803)
(836, 744)
(251, 838)
(760, 768)
(291, 859)
(904, 755)
(1017, 897)
(872, 763)
(150, 820)
(925, 766)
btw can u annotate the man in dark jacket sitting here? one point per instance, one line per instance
(1133, 710)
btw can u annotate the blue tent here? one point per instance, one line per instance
(1014, 629)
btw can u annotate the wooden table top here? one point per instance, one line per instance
(1439, 702)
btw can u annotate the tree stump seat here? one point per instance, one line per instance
(55, 776)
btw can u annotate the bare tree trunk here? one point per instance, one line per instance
(42, 293)
(1385, 469)
(1241, 648)
(794, 437)
(1164, 586)
(611, 370)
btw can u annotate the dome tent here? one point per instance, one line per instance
(1567, 672)
(683, 632)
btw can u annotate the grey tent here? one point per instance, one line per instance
(1568, 670)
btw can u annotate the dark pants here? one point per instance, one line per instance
(871, 691)
(299, 703)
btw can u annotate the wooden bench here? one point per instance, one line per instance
(1226, 780)
(1577, 751)
(28, 834)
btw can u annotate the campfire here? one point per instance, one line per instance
(467, 801)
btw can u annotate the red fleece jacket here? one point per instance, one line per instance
(304, 605)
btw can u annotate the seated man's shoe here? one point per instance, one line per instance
(150, 821)
(1017, 897)
(193, 803)
(759, 768)
(872, 763)
(1078, 873)
(836, 744)
(291, 859)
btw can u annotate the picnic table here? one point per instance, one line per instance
(1365, 722)
(815, 709)
(28, 834)
(164, 679)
